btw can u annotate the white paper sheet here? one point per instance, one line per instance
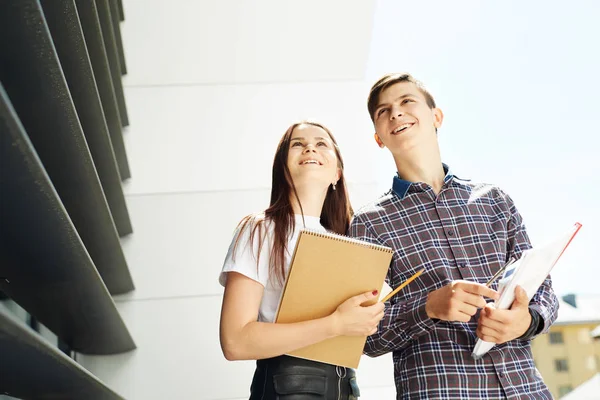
(529, 272)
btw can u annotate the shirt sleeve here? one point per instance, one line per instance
(403, 320)
(246, 256)
(544, 301)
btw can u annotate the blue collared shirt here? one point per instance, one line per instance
(400, 186)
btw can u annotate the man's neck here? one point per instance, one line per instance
(422, 168)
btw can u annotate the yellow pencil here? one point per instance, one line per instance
(409, 280)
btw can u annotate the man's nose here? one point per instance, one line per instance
(396, 112)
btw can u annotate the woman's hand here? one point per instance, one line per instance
(244, 338)
(353, 319)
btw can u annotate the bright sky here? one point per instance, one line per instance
(519, 84)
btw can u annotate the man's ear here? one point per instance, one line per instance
(438, 117)
(378, 140)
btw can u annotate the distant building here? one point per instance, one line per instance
(589, 390)
(569, 355)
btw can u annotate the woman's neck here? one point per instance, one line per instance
(312, 201)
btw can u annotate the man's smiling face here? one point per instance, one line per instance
(403, 118)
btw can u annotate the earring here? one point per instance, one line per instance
(333, 186)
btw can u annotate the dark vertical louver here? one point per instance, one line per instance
(62, 207)
(31, 369)
(34, 81)
(110, 44)
(88, 15)
(121, 12)
(72, 52)
(114, 13)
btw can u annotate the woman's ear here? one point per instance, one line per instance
(378, 140)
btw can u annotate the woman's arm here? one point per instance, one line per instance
(243, 338)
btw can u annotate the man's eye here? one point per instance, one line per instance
(381, 111)
(407, 101)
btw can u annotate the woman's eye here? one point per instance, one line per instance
(322, 144)
(296, 144)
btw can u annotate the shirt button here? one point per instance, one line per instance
(501, 375)
(450, 233)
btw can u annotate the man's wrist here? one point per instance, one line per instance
(534, 325)
(417, 316)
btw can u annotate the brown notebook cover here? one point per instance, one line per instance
(327, 269)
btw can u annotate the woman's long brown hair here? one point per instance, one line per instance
(335, 214)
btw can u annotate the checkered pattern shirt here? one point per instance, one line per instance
(467, 231)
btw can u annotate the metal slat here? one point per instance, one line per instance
(63, 21)
(32, 368)
(44, 265)
(110, 43)
(114, 13)
(121, 12)
(35, 84)
(88, 15)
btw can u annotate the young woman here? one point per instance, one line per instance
(308, 191)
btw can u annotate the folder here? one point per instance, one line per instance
(327, 269)
(529, 272)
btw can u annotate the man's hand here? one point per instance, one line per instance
(499, 326)
(458, 301)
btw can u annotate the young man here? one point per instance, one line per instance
(461, 234)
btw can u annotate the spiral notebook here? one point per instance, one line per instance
(327, 269)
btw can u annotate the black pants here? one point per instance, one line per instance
(291, 378)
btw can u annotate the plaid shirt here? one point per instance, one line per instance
(466, 232)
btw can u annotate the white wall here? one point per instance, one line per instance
(212, 86)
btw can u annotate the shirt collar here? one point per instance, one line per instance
(400, 186)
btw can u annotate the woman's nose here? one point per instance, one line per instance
(309, 147)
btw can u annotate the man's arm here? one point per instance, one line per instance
(544, 301)
(408, 319)
(403, 321)
(543, 306)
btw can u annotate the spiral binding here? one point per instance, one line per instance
(347, 239)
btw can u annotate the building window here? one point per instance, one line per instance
(556, 338)
(561, 365)
(564, 389)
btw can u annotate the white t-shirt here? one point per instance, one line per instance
(245, 263)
